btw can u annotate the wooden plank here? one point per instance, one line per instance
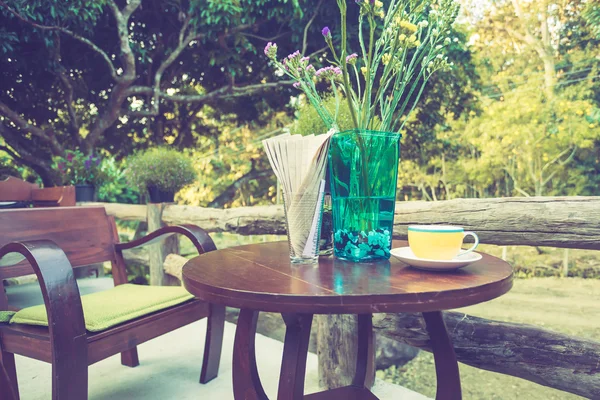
(567, 222)
(125, 212)
(158, 252)
(256, 220)
(551, 359)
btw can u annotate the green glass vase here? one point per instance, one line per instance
(364, 172)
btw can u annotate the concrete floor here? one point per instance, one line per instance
(170, 365)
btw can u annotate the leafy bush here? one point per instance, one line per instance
(309, 122)
(167, 169)
(115, 188)
(77, 168)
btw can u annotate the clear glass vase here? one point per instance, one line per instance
(364, 172)
(303, 213)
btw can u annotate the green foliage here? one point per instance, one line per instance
(162, 167)
(115, 188)
(592, 16)
(77, 168)
(309, 122)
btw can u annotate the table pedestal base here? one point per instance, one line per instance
(246, 381)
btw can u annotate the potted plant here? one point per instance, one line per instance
(83, 171)
(381, 79)
(161, 171)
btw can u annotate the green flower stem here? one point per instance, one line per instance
(342, 7)
(366, 104)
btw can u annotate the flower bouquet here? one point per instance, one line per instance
(399, 47)
(82, 171)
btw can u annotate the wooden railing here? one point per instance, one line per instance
(548, 358)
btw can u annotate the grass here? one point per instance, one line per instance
(566, 305)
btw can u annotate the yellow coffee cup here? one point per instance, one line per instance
(438, 242)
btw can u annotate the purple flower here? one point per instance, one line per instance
(271, 50)
(297, 85)
(326, 32)
(70, 157)
(294, 55)
(351, 59)
(88, 163)
(328, 72)
(61, 166)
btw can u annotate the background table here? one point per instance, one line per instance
(259, 277)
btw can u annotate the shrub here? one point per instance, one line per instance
(77, 168)
(166, 169)
(309, 122)
(115, 188)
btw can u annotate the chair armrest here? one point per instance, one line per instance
(197, 235)
(60, 292)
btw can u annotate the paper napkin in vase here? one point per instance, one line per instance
(300, 162)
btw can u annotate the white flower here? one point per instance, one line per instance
(423, 24)
(438, 47)
(447, 41)
(455, 40)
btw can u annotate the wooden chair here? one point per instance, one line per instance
(14, 189)
(50, 242)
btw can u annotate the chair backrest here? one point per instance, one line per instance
(86, 234)
(61, 196)
(14, 189)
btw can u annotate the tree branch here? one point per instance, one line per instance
(231, 190)
(67, 32)
(308, 24)
(558, 157)
(225, 92)
(118, 93)
(12, 154)
(61, 73)
(24, 125)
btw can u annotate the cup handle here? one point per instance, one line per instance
(462, 253)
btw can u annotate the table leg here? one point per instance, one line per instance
(295, 351)
(446, 366)
(246, 382)
(365, 358)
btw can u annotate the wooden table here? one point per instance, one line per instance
(260, 277)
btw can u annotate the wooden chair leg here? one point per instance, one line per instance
(9, 388)
(70, 369)
(365, 359)
(295, 352)
(130, 358)
(213, 343)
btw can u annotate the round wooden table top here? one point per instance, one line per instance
(261, 277)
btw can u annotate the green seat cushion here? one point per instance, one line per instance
(5, 316)
(103, 310)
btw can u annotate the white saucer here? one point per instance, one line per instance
(406, 255)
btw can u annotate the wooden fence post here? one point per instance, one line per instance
(337, 344)
(159, 251)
